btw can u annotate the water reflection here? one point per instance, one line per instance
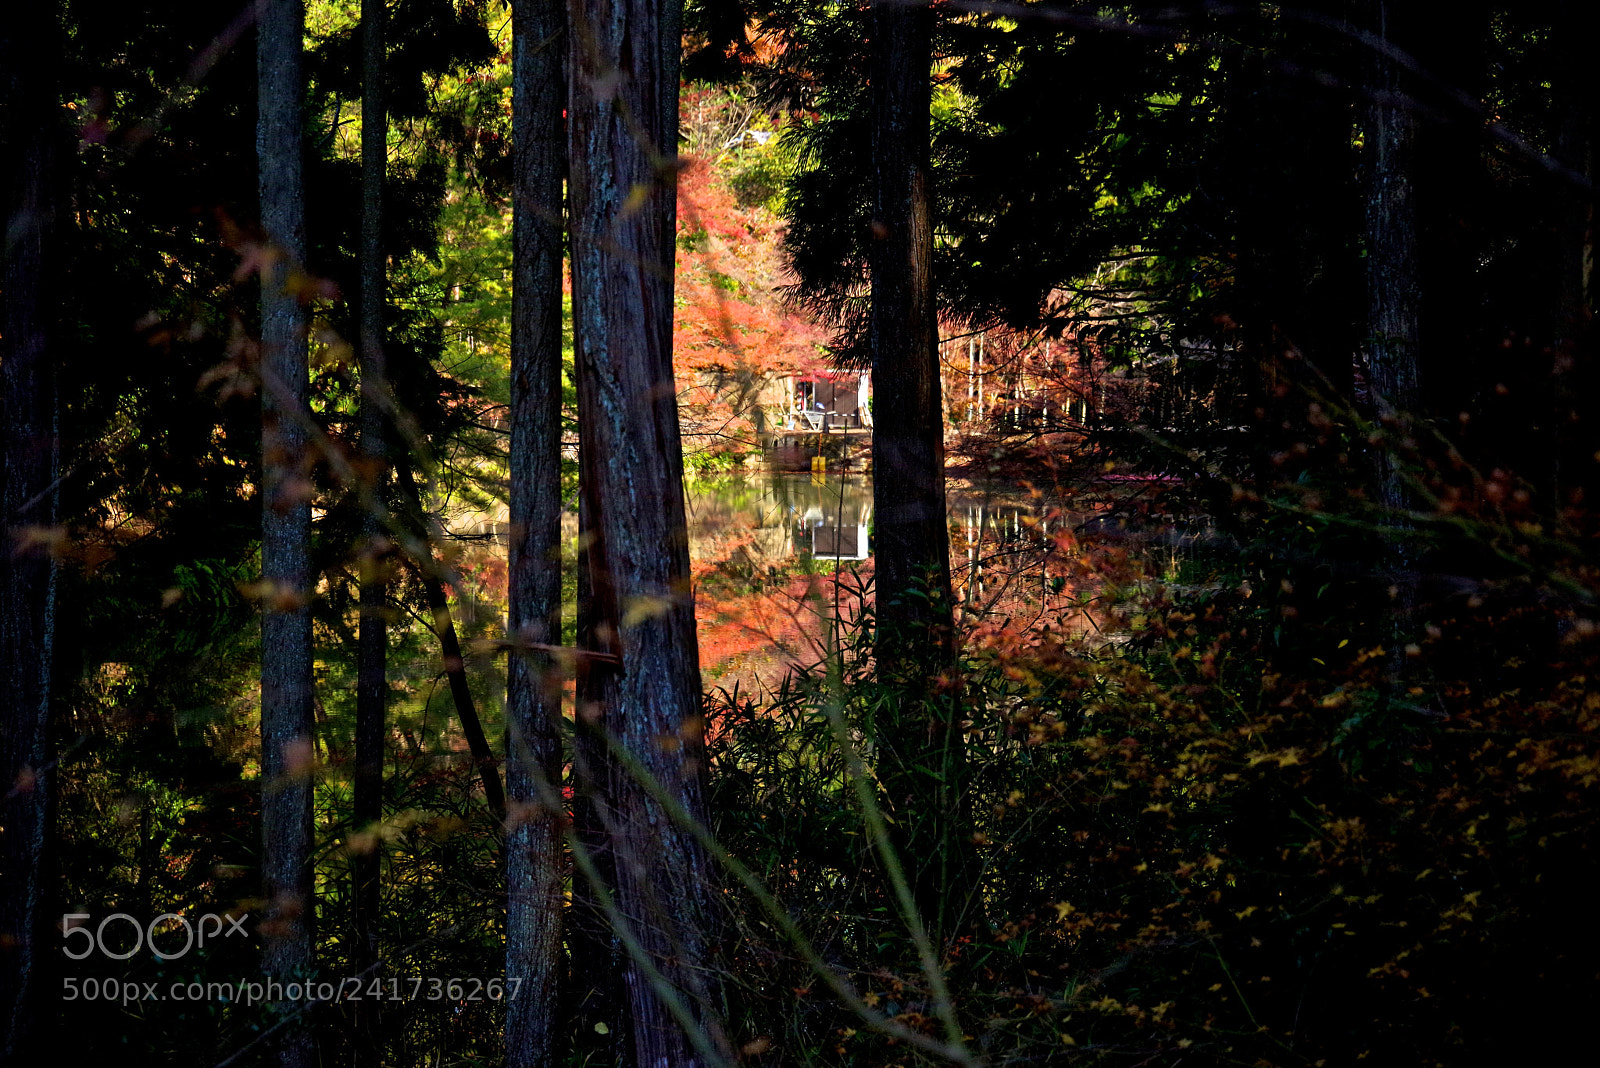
(774, 553)
(829, 517)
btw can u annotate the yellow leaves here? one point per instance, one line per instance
(636, 199)
(1392, 966)
(1063, 909)
(1283, 757)
(642, 608)
(361, 843)
(299, 762)
(52, 540)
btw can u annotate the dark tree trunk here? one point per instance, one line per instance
(623, 126)
(27, 576)
(1573, 261)
(534, 860)
(286, 680)
(920, 751)
(1392, 293)
(1575, 150)
(455, 669)
(911, 553)
(372, 645)
(437, 593)
(597, 992)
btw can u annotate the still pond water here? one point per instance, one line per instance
(779, 556)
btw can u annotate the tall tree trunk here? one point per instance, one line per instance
(1393, 324)
(597, 992)
(623, 128)
(534, 862)
(372, 644)
(921, 760)
(1392, 288)
(286, 681)
(27, 496)
(1573, 261)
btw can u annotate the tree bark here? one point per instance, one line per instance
(623, 130)
(920, 750)
(28, 452)
(286, 654)
(598, 993)
(535, 869)
(1392, 297)
(372, 643)
(911, 556)
(1573, 262)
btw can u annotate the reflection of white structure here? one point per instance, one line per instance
(836, 520)
(832, 542)
(758, 524)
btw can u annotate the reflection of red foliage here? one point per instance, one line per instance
(758, 636)
(1022, 575)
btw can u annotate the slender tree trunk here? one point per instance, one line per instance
(534, 855)
(623, 128)
(1573, 262)
(455, 669)
(1575, 150)
(286, 681)
(921, 760)
(28, 436)
(372, 644)
(437, 593)
(1392, 298)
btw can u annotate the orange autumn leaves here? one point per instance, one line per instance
(732, 336)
